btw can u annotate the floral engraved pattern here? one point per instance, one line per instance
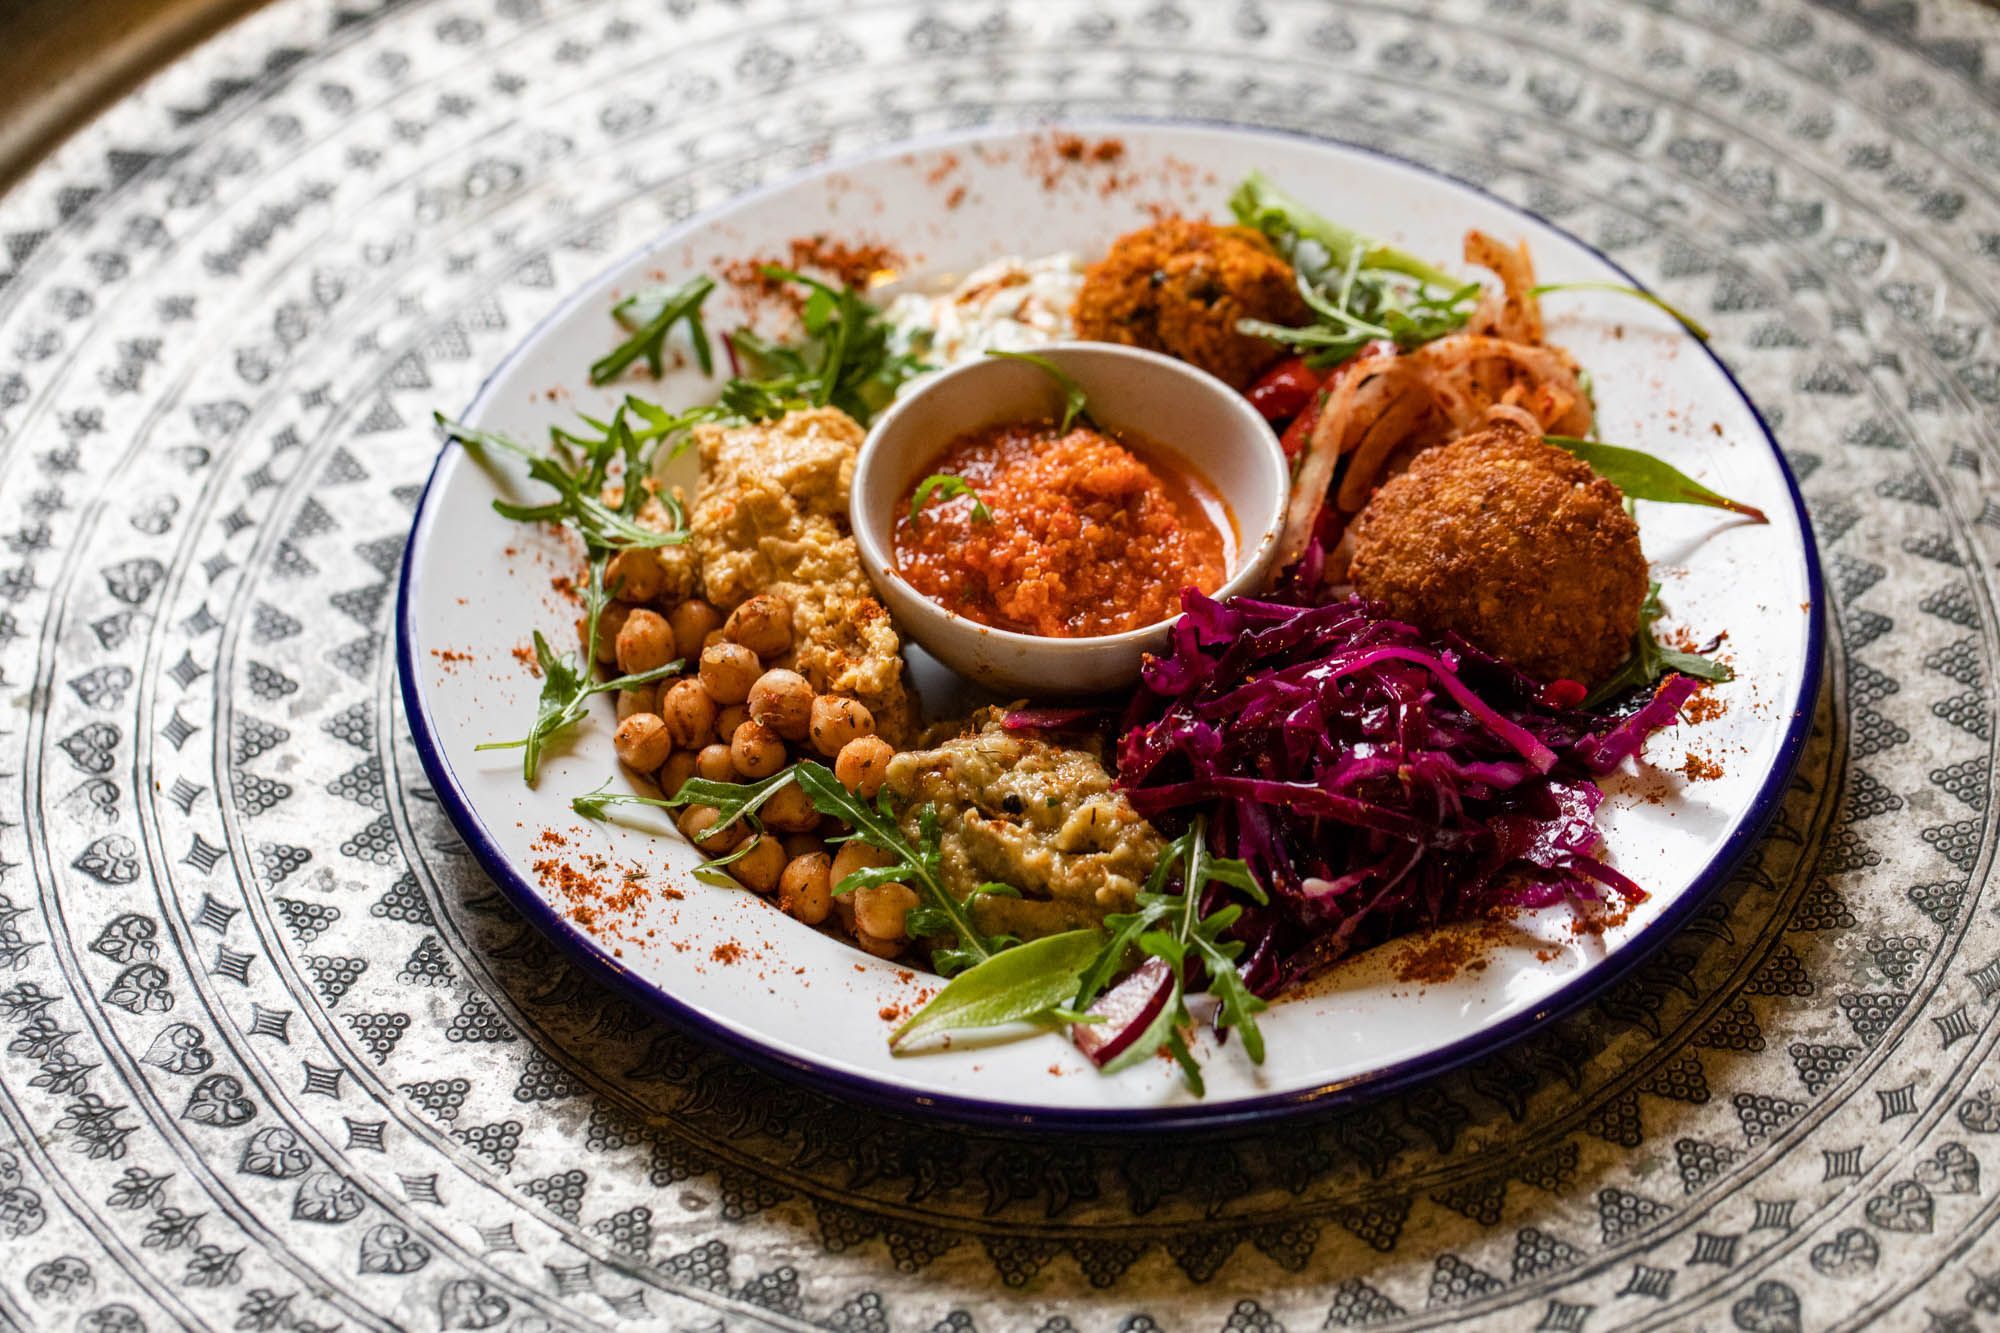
(274, 1055)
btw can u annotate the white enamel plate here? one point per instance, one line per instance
(727, 965)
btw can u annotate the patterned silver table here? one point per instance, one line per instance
(277, 1057)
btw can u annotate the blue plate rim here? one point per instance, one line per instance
(1196, 1116)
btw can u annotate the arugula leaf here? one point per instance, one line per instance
(1644, 477)
(1686, 320)
(577, 467)
(1260, 204)
(1076, 403)
(567, 687)
(1650, 660)
(649, 316)
(732, 800)
(844, 361)
(1026, 982)
(1169, 926)
(1358, 292)
(919, 867)
(944, 486)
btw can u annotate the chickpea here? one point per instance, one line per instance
(782, 701)
(880, 911)
(642, 742)
(692, 622)
(834, 721)
(634, 575)
(610, 624)
(763, 625)
(728, 670)
(689, 712)
(805, 889)
(713, 763)
(644, 642)
(756, 750)
(673, 775)
(759, 868)
(862, 764)
(729, 719)
(855, 855)
(698, 823)
(642, 699)
(804, 844)
(790, 810)
(880, 948)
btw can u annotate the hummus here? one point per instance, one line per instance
(1016, 809)
(771, 516)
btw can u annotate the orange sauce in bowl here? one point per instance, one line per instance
(1084, 533)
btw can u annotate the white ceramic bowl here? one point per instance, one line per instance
(1207, 427)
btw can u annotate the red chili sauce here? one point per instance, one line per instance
(1084, 534)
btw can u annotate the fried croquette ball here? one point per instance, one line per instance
(1515, 545)
(1180, 286)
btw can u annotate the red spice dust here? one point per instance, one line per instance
(727, 953)
(1699, 768)
(450, 655)
(1437, 958)
(1593, 924)
(852, 264)
(1074, 148)
(1054, 158)
(590, 891)
(1704, 707)
(1682, 638)
(524, 653)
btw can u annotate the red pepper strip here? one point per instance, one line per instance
(1295, 436)
(1563, 693)
(1285, 389)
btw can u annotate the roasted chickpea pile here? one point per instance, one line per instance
(734, 717)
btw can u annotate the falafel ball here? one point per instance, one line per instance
(1512, 543)
(1179, 287)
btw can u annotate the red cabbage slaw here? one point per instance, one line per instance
(1375, 781)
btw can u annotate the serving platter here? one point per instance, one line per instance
(623, 897)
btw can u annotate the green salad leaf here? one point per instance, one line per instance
(576, 467)
(1076, 403)
(733, 801)
(844, 360)
(649, 317)
(1359, 291)
(1168, 924)
(944, 486)
(1651, 660)
(1027, 982)
(1260, 204)
(1686, 320)
(567, 683)
(918, 866)
(1644, 477)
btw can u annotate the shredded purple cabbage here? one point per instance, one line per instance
(1376, 781)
